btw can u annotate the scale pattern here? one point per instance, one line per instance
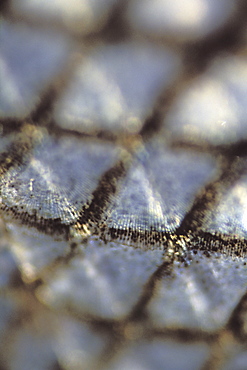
(123, 185)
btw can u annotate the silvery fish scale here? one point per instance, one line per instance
(123, 187)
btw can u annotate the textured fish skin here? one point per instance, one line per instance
(123, 185)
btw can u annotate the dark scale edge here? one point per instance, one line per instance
(48, 226)
(196, 144)
(206, 242)
(101, 135)
(42, 113)
(92, 212)
(237, 321)
(138, 312)
(211, 194)
(148, 239)
(198, 55)
(18, 151)
(219, 243)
